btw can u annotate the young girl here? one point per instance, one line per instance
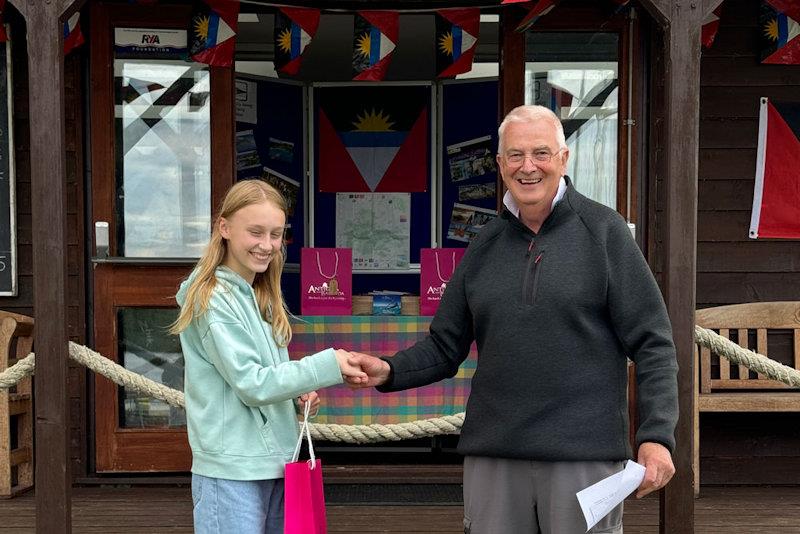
(239, 381)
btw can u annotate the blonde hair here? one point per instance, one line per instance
(531, 114)
(267, 285)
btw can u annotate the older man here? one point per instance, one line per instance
(557, 296)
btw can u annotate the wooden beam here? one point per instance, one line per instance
(511, 87)
(682, 130)
(48, 206)
(512, 62)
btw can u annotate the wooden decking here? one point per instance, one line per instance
(765, 510)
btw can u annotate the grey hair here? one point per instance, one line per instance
(531, 114)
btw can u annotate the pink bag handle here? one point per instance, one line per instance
(304, 428)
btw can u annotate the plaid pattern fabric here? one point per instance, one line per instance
(379, 336)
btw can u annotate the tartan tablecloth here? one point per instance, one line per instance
(379, 336)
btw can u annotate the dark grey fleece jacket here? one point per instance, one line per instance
(554, 315)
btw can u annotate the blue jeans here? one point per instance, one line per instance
(224, 506)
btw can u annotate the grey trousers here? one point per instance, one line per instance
(503, 496)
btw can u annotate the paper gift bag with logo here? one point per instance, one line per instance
(304, 499)
(326, 281)
(436, 268)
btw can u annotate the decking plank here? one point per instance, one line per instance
(766, 510)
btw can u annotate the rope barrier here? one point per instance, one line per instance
(449, 424)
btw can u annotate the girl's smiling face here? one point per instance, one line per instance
(254, 235)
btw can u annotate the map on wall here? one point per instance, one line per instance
(377, 227)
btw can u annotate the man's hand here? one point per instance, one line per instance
(376, 370)
(349, 367)
(310, 397)
(659, 468)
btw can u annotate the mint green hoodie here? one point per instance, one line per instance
(240, 386)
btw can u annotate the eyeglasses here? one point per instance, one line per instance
(538, 156)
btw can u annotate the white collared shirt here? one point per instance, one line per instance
(511, 204)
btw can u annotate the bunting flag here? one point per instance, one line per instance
(780, 26)
(374, 40)
(776, 196)
(212, 29)
(373, 139)
(295, 27)
(73, 37)
(708, 32)
(539, 9)
(3, 34)
(456, 40)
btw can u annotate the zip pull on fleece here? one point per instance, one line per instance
(531, 246)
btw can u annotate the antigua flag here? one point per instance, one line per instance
(780, 32)
(539, 9)
(212, 30)
(373, 139)
(295, 27)
(456, 40)
(708, 32)
(776, 197)
(73, 37)
(374, 40)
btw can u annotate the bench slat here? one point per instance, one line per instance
(744, 374)
(761, 344)
(724, 364)
(705, 370)
(750, 402)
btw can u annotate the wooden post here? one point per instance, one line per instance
(681, 22)
(511, 89)
(53, 481)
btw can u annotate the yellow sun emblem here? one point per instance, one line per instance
(446, 43)
(285, 40)
(372, 121)
(363, 45)
(201, 27)
(771, 30)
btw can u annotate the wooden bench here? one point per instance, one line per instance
(721, 387)
(16, 408)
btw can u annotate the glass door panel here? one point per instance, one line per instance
(576, 75)
(148, 349)
(163, 158)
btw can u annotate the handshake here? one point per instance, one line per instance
(361, 370)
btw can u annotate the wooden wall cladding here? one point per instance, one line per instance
(731, 268)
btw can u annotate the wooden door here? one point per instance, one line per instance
(162, 157)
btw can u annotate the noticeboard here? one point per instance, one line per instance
(8, 229)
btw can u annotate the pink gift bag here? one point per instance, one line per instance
(326, 281)
(304, 500)
(436, 266)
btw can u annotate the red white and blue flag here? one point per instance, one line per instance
(212, 32)
(3, 34)
(456, 40)
(708, 32)
(537, 11)
(776, 196)
(374, 40)
(373, 138)
(780, 32)
(295, 27)
(73, 37)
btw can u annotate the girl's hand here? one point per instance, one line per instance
(311, 397)
(350, 368)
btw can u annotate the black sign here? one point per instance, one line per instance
(8, 274)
